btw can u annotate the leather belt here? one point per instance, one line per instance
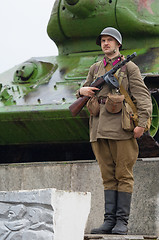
(102, 100)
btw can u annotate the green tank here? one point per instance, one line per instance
(35, 96)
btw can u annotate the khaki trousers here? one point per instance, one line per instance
(116, 159)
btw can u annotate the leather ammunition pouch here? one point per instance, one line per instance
(93, 106)
(127, 117)
(130, 119)
(114, 103)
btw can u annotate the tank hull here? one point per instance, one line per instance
(42, 115)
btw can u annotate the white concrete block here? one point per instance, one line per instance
(43, 214)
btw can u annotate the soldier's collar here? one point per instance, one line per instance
(112, 61)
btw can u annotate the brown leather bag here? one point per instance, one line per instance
(93, 106)
(114, 102)
(127, 117)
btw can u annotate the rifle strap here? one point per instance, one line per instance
(126, 95)
(130, 102)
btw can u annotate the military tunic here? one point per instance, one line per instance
(109, 125)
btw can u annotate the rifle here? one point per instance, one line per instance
(108, 77)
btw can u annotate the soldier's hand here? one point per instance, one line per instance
(122, 57)
(88, 91)
(138, 132)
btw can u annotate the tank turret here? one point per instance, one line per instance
(74, 25)
(35, 96)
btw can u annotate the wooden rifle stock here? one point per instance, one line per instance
(76, 107)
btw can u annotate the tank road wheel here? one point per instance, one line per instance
(154, 129)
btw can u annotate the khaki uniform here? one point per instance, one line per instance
(115, 149)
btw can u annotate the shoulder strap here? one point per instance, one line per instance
(126, 95)
(130, 102)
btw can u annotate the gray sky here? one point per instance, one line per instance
(23, 35)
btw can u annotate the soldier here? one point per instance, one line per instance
(114, 145)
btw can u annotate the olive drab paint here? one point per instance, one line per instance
(35, 96)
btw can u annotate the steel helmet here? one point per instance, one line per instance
(111, 32)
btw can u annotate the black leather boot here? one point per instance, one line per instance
(122, 213)
(110, 213)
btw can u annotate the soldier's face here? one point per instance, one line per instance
(109, 45)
